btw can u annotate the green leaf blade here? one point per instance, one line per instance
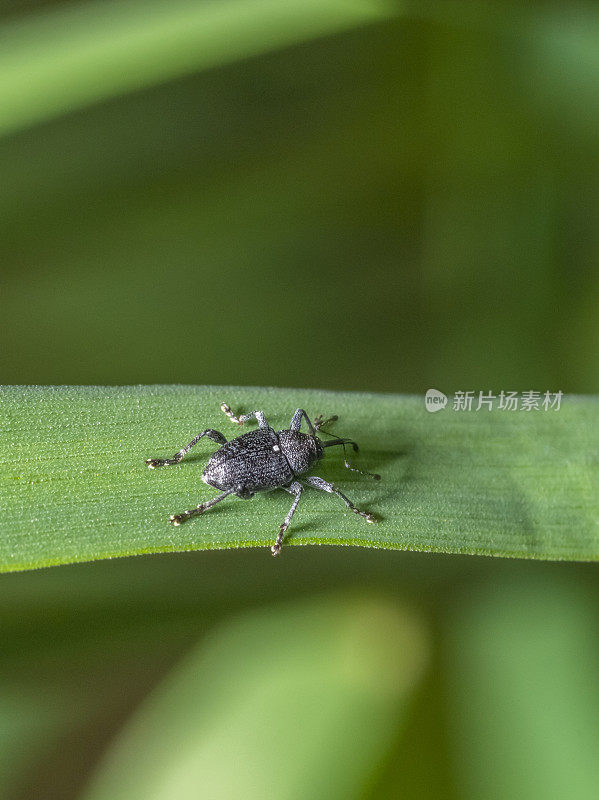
(74, 487)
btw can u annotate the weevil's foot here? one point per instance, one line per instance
(276, 548)
(178, 519)
(227, 410)
(155, 462)
(320, 422)
(368, 517)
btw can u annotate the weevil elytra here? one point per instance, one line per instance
(265, 459)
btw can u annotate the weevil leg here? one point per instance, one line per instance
(319, 483)
(319, 422)
(179, 519)
(296, 421)
(262, 423)
(216, 436)
(295, 488)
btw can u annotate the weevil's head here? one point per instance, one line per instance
(300, 449)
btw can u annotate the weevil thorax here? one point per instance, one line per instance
(300, 449)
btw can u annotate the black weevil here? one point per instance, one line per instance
(265, 459)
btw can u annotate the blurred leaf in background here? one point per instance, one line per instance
(215, 228)
(82, 646)
(289, 701)
(522, 667)
(346, 195)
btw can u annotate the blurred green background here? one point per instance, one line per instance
(370, 196)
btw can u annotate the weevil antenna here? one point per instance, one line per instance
(343, 442)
